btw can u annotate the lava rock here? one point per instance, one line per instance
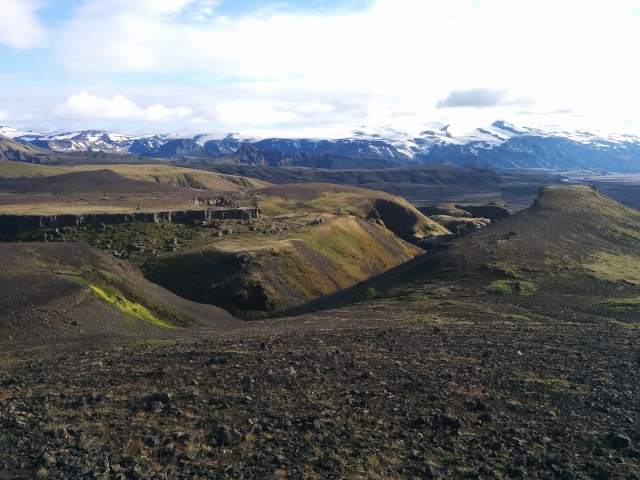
(619, 441)
(150, 441)
(224, 436)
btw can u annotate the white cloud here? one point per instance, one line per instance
(252, 112)
(389, 64)
(87, 107)
(4, 115)
(202, 10)
(293, 111)
(19, 24)
(423, 45)
(119, 35)
(481, 98)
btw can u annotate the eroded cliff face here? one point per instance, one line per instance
(16, 223)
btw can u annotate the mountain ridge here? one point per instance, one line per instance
(497, 146)
(11, 150)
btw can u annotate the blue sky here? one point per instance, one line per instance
(321, 68)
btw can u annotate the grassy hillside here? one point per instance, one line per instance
(166, 174)
(473, 178)
(13, 169)
(574, 252)
(252, 276)
(183, 177)
(45, 190)
(395, 212)
(310, 240)
(421, 185)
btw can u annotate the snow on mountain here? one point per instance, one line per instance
(499, 145)
(11, 132)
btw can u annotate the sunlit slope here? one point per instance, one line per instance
(575, 251)
(310, 240)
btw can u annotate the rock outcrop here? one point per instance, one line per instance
(492, 212)
(14, 223)
(461, 224)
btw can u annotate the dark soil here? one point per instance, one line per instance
(353, 393)
(39, 303)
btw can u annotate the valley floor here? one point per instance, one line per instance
(429, 388)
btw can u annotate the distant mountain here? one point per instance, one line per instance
(498, 146)
(252, 155)
(502, 146)
(423, 175)
(348, 147)
(11, 150)
(181, 148)
(85, 141)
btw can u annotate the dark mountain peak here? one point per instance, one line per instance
(181, 148)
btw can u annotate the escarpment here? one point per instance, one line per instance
(15, 223)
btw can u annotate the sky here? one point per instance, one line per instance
(318, 68)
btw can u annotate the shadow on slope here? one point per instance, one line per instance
(69, 289)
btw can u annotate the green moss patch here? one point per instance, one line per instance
(130, 308)
(499, 287)
(507, 287)
(622, 304)
(505, 268)
(526, 288)
(416, 297)
(111, 289)
(613, 267)
(371, 294)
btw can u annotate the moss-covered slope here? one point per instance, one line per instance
(575, 251)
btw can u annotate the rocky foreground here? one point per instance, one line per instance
(337, 395)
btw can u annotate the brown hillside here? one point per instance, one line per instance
(395, 212)
(575, 250)
(310, 240)
(100, 181)
(428, 376)
(105, 191)
(51, 290)
(14, 151)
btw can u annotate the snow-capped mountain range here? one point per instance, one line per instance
(498, 146)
